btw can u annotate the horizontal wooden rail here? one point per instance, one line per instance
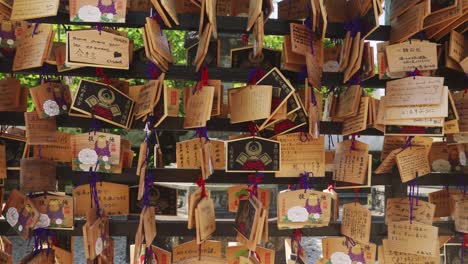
(225, 24)
(221, 177)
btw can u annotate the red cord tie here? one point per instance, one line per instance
(202, 184)
(356, 196)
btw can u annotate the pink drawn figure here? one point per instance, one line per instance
(107, 7)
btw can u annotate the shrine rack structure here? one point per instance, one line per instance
(168, 228)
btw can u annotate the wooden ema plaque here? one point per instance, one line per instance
(37, 175)
(253, 154)
(113, 198)
(56, 211)
(20, 213)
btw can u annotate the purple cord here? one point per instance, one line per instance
(353, 26)
(148, 174)
(302, 75)
(93, 185)
(202, 132)
(41, 236)
(408, 142)
(35, 29)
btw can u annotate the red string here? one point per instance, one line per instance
(100, 73)
(245, 39)
(253, 129)
(203, 78)
(330, 187)
(356, 196)
(202, 183)
(298, 238)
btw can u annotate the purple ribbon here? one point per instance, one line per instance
(308, 24)
(93, 185)
(253, 182)
(41, 236)
(35, 29)
(202, 132)
(302, 75)
(305, 181)
(99, 28)
(350, 242)
(408, 142)
(353, 26)
(355, 80)
(153, 70)
(95, 125)
(148, 174)
(413, 185)
(313, 99)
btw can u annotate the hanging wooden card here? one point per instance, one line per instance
(148, 96)
(37, 175)
(255, 8)
(16, 149)
(248, 222)
(6, 257)
(282, 90)
(358, 122)
(399, 209)
(249, 103)
(113, 197)
(461, 216)
(205, 219)
(253, 154)
(293, 9)
(303, 209)
(103, 11)
(39, 131)
(166, 10)
(339, 250)
(413, 162)
(243, 58)
(59, 150)
(98, 237)
(298, 157)
(105, 102)
(161, 110)
(56, 211)
(356, 223)
(241, 192)
(34, 45)
(401, 56)
(265, 255)
(210, 252)
(20, 213)
(162, 198)
(314, 64)
(188, 154)
(27, 9)
(445, 15)
(97, 49)
(199, 106)
(418, 90)
(457, 46)
(393, 256)
(203, 45)
(406, 237)
(259, 34)
(348, 102)
(10, 93)
(351, 166)
(410, 22)
(441, 200)
(157, 40)
(51, 99)
(193, 200)
(99, 151)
